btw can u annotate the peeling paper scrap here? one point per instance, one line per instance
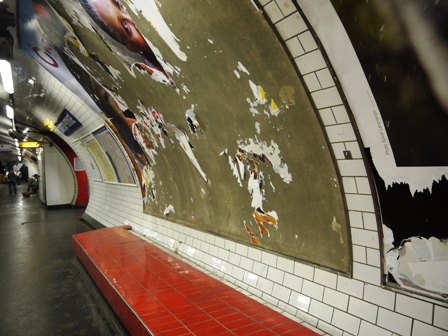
(168, 209)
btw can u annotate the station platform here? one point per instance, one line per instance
(155, 293)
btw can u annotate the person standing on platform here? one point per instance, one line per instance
(11, 178)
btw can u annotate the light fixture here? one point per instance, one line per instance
(6, 73)
(9, 112)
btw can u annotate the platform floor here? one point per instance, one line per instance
(44, 289)
(154, 292)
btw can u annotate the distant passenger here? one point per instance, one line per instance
(11, 179)
(33, 186)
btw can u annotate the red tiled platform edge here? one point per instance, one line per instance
(155, 293)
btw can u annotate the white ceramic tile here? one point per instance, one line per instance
(225, 266)
(276, 275)
(229, 245)
(300, 301)
(291, 26)
(285, 264)
(397, 323)
(373, 257)
(368, 329)
(326, 115)
(260, 269)
(295, 48)
(269, 259)
(313, 290)
(254, 254)
(336, 299)
(370, 221)
(325, 79)
(237, 273)
(293, 282)
(307, 41)
(340, 132)
(441, 317)
(414, 308)
(341, 114)
(220, 242)
(359, 254)
(242, 249)
(234, 259)
(365, 238)
(286, 6)
(309, 321)
(303, 271)
(223, 254)
(246, 263)
(360, 203)
(349, 185)
(310, 62)
(379, 296)
(265, 285)
(328, 329)
(321, 310)
(367, 273)
(338, 150)
(351, 168)
(250, 278)
(363, 185)
(325, 278)
(346, 322)
(312, 82)
(327, 97)
(274, 13)
(420, 328)
(354, 149)
(270, 299)
(355, 219)
(362, 309)
(281, 293)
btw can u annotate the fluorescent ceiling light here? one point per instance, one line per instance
(6, 73)
(9, 112)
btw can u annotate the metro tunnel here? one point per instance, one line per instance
(255, 167)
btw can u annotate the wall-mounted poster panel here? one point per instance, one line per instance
(92, 167)
(115, 154)
(224, 135)
(101, 158)
(400, 104)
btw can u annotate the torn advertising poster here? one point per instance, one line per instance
(418, 263)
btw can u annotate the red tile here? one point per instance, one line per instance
(248, 329)
(204, 325)
(238, 324)
(285, 327)
(230, 318)
(212, 331)
(160, 329)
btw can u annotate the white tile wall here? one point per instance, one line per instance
(390, 320)
(346, 322)
(335, 303)
(321, 311)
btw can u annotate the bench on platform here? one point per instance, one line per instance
(155, 293)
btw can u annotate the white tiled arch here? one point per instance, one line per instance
(336, 304)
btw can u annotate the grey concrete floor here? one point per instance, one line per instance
(44, 289)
